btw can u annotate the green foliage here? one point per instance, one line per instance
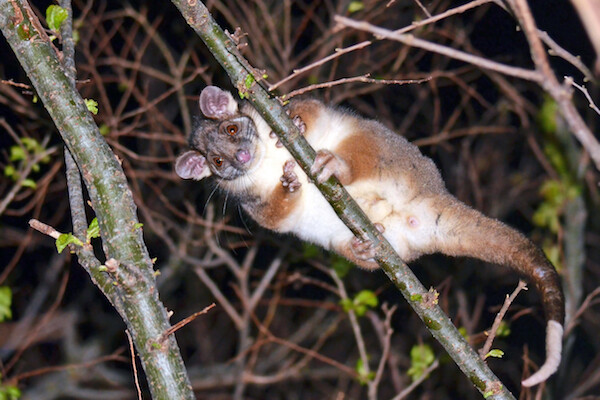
(363, 375)
(558, 192)
(421, 358)
(494, 353)
(5, 303)
(355, 6)
(364, 300)
(93, 231)
(17, 153)
(55, 16)
(104, 130)
(310, 250)
(9, 392)
(92, 105)
(416, 297)
(11, 172)
(503, 330)
(547, 117)
(249, 81)
(29, 183)
(66, 239)
(341, 266)
(20, 153)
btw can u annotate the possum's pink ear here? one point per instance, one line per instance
(216, 103)
(192, 165)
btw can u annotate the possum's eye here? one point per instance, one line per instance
(218, 161)
(232, 129)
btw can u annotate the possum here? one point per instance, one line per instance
(398, 188)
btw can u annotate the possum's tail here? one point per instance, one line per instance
(467, 232)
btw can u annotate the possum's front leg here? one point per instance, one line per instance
(327, 163)
(273, 211)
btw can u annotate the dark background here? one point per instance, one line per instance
(484, 131)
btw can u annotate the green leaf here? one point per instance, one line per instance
(552, 251)
(66, 239)
(366, 297)
(17, 153)
(5, 303)
(10, 172)
(249, 81)
(310, 251)
(363, 376)
(104, 129)
(503, 330)
(93, 231)
(355, 6)
(9, 393)
(421, 357)
(547, 117)
(55, 16)
(347, 304)
(92, 105)
(416, 297)
(364, 300)
(137, 226)
(29, 183)
(13, 392)
(341, 266)
(30, 144)
(497, 353)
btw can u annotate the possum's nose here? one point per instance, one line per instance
(243, 156)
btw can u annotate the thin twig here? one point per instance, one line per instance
(338, 52)
(10, 82)
(43, 228)
(410, 40)
(363, 78)
(550, 83)
(387, 344)
(584, 305)
(183, 323)
(569, 81)
(492, 333)
(42, 371)
(419, 380)
(133, 365)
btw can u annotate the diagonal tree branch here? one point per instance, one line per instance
(130, 283)
(246, 80)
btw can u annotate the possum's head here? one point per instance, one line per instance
(225, 142)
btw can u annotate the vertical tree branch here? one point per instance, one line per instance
(131, 286)
(245, 78)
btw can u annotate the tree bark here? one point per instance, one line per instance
(131, 286)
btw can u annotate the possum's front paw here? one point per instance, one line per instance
(289, 179)
(364, 249)
(299, 124)
(327, 164)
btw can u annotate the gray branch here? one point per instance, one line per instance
(130, 286)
